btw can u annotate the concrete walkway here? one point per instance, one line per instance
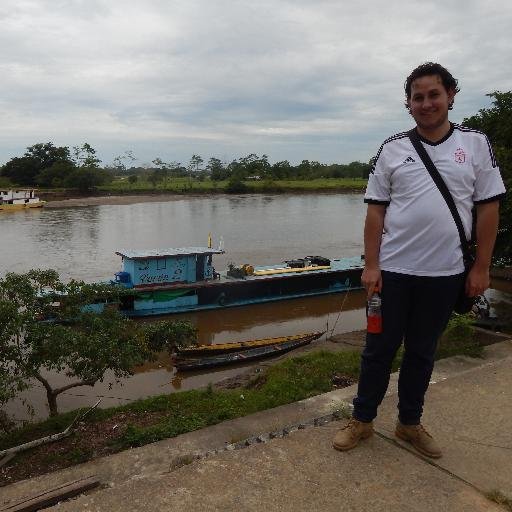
(468, 409)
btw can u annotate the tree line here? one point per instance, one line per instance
(258, 167)
(46, 165)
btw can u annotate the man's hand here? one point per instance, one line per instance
(371, 278)
(477, 281)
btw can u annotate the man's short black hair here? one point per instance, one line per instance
(431, 68)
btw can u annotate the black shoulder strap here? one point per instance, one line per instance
(441, 185)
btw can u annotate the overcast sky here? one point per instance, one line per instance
(293, 79)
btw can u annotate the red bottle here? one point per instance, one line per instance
(374, 318)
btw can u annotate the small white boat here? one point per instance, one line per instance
(19, 199)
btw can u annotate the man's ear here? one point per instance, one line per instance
(451, 98)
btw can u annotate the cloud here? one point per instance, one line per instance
(293, 79)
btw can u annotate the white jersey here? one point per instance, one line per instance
(420, 236)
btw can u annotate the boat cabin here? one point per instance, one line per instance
(161, 267)
(20, 196)
(25, 193)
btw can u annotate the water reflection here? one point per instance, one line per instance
(279, 318)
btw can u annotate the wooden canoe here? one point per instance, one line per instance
(199, 363)
(224, 348)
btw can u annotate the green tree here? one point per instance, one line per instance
(47, 154)
(281, 170)
(4, 181)
(85, 156)
(74, 340)
(55, 175)
(195, 163)
(236, 170)
(162, 167)
(358, 170)
(217, 170)
(122, 162)
(496, 123)
(317, 169)
(155, 177)
(86, 179)
(38, 157)
(253, 165)
(304, 170)
(236, 183)
(21, 170)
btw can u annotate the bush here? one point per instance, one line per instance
(236, 186)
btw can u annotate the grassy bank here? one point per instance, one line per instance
(107, 431)
(186, 186)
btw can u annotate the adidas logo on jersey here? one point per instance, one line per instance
(409, 160)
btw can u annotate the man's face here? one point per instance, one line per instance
(429, 102)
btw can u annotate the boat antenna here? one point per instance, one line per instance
(209, 240)
(221, 243)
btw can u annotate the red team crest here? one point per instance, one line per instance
(460, 156)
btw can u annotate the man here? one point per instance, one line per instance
(413, 254)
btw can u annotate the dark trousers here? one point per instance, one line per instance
(415, 310)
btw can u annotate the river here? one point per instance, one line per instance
(81, 242)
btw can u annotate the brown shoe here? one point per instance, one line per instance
(419, 438)
(350, 435)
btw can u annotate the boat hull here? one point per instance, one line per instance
(224, 293)
(242, 357)
(17, 207)
(226, 348)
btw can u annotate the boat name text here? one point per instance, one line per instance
(146, 278)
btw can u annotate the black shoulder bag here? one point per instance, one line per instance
(464, 303)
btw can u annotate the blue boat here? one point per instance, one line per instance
(179, 280)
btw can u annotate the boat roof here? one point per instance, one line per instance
(162, 253)
(18, 189)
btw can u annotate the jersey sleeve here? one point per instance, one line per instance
(488, 183)
(378, 188)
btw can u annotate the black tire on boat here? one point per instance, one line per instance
(222, 299)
